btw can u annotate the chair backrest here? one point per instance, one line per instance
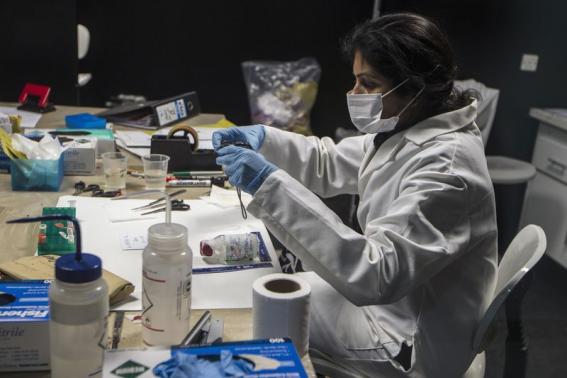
(83, 40)
(486, 110)
(523, 253)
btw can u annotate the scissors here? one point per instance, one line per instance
(81, 187)
(176, 205)
(96, 190)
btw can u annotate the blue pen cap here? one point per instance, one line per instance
(87, 269)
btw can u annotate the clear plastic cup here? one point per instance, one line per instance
(155, 171)
(114, 165)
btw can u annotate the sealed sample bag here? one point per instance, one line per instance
(281, 94)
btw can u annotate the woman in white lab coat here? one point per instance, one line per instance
(402, 298)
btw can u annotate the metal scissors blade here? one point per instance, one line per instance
(174, 207)
(161, 199)
(159, 205)
(136, 194)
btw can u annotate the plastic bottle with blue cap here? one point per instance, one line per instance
(166, 283)
(78, 305)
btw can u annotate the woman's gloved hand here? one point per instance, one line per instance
(246, 169)
(253, 135)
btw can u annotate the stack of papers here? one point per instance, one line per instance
(119, 244)
(29, 119)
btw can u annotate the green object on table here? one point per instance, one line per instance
(56, 237)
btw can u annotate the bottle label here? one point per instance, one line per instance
(241, 247)
(166, 302)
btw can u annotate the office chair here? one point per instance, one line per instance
(523, 253)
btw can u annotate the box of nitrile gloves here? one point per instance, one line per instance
(24, 325)
(273, 358)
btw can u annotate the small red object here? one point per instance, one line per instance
(34, 98)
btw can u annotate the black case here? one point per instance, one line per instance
(182, 156)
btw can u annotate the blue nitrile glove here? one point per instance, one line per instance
(246, 169)
(253, 135)
(188, 365)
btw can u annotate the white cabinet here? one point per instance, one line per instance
(545, 203)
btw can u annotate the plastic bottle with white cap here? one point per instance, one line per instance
(166, 283)
(78, 306)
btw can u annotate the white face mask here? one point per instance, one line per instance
(366, 109)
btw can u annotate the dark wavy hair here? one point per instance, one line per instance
(408, 46)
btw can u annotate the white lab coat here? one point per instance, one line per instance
(424, 269)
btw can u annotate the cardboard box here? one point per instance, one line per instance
(105, 141)
(24, 325)
(80, 160)
(271, 358)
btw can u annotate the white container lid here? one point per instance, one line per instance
(167, 237)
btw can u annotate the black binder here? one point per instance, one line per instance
(153, 115)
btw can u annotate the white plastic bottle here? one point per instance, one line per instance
(78, 305)
(166, 284)
(231, 248)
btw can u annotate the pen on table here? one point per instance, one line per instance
(197, 173)
(194, 183)
(199, 177)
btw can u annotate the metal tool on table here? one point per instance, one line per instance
(207, 331)
(159, 200)
(176, 205)
(96, 190)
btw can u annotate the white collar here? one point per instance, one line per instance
(442, 124)
(426, 130)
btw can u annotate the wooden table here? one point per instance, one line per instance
(20, 240)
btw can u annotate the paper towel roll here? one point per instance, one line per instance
(280, 308)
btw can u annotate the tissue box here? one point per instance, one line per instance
(4, 162)
(104, 137)
(80, 160)
(271, 358)
(24, 325)
(37, 175)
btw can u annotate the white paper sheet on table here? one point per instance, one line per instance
(135, 151)
(29, 119)
(134, 138)
(203, 221)
(226, 198)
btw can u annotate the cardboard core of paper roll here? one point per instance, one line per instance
(282, 286)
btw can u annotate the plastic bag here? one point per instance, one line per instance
(281, 94)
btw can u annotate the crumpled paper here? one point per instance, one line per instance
(46, 149)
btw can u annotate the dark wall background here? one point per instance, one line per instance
(39, 45)
(159, 49)
(489, 38)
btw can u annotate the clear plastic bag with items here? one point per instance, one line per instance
(281, 94)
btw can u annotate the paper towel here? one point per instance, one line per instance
(280, 308)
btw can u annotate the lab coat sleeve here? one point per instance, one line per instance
(322, 166)
(423, 230)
